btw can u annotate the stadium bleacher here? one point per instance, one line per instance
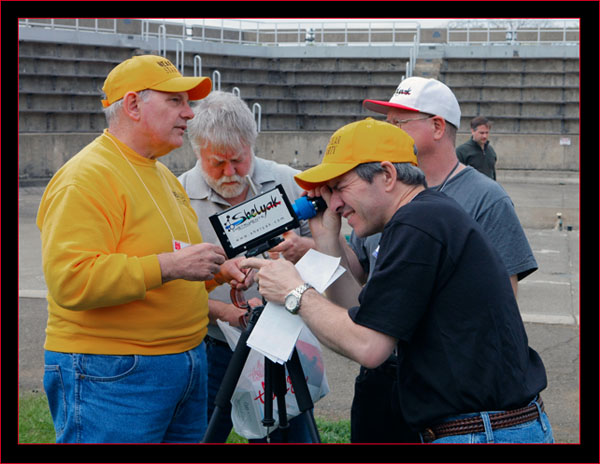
(531, 93)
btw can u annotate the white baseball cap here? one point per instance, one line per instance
(423, 95)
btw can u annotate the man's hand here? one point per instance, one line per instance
(229, 312)
(232, 273)
(195, 262)
(326, 226)
(293, 247)
(275, 278)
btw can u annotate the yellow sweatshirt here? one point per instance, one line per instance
(103, 220)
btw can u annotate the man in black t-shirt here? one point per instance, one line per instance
(439, 295)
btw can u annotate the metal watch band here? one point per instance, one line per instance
(301, 289)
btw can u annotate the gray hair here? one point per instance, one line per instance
(406, 173)
(222, 120)
(110, 112)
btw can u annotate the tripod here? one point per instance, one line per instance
(275, 385)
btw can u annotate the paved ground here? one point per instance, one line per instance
(548, 299)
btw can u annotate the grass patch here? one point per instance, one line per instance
(333, 432)
(35, 424)
(35, 421)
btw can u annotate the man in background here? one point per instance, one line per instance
(477, 151)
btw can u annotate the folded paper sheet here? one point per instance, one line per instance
(276, 332)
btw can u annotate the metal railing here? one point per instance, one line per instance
(77, 24)
(513, 32)
(242, 32)
(324, 33)
(301, 33)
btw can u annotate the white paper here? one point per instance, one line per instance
(232, 334)
(277, 330)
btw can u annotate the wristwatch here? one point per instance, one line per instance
(292, 300)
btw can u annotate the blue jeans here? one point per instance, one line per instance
(219, 355)
(127, 399)
(535, 431)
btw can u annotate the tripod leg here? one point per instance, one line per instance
(305, 402)
(268, 420)
(275, 386)
(280, 390)
(232, 375)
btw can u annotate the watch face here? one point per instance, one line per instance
(291, 302)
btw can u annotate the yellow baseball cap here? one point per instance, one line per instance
(360, 142)
(151, 72)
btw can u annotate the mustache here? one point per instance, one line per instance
(234, 178)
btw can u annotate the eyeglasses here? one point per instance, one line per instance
(401, 122)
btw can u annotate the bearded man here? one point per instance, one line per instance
(223, 134)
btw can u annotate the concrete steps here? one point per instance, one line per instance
(519, 95)
(532, 102)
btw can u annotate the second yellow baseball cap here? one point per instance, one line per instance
(360, 142)
(151, 72)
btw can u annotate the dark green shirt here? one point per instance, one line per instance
(484, 160)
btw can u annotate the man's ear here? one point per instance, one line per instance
(439, 127)
(131, 105)
(389, 175)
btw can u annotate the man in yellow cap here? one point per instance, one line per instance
(127, 272)
(439, 296)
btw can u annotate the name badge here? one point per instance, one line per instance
(179, 245)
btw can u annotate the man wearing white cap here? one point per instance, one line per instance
(428, 111)
(128, 275)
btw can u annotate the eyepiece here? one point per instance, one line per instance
(308, 207)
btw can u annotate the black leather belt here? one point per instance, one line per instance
(475, 424)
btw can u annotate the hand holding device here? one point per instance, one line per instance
(254, 226)
(195, 262)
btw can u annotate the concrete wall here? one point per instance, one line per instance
(41, 155)
(534, 151)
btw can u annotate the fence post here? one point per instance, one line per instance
(179, 62)
(256, 107)
(216, 78)
(162, 40)
(197, 65)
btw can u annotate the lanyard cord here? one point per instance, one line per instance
(448, 177)
(151, 196)
(166, 185)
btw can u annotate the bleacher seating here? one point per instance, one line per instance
(521, 95)
(306, 97)
(60, 87)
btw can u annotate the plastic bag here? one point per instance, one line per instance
(247, 401)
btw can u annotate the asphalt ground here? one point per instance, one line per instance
(548, 299)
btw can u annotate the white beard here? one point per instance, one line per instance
(227, 191)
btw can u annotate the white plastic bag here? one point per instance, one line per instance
(247, 401)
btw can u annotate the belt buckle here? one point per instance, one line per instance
(428, 435)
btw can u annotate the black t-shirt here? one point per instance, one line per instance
(442, 290)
